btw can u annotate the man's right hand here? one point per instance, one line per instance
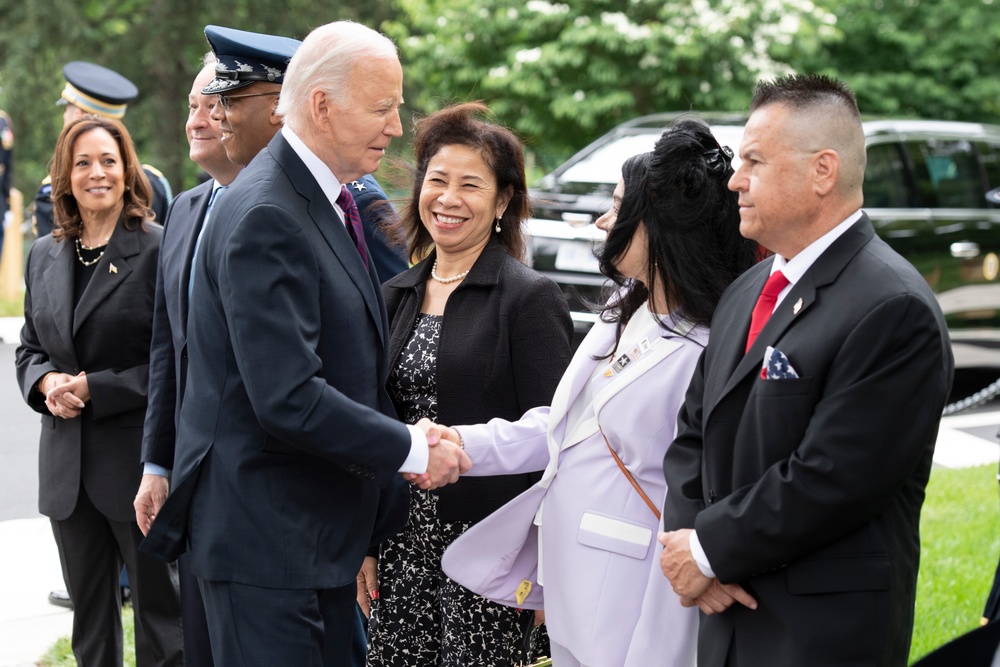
(446, 459)
(152, 494)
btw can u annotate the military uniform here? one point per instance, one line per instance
(6, 162)
(101, 91)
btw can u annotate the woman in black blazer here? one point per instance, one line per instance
(83, 363)
(475, 334)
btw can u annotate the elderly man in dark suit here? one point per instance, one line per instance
(185, 219)
(287, 449)
(805, 441)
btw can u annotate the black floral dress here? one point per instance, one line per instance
(421, 617)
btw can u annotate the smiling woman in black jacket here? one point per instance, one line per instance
(476, 334)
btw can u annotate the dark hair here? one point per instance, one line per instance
(804, 90)
(137, 195)
(460, 125)
(679, 194)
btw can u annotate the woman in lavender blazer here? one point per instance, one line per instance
(584, 535)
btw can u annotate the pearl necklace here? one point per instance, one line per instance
(79, 255)
(454, 278)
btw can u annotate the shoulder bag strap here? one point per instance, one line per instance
(631, 479)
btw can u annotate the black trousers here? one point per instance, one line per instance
(92, 549)
(262, 627)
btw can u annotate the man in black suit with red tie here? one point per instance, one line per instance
(804, 445)
(287, 446)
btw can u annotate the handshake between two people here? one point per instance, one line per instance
(446, 460)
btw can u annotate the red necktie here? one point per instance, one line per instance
(353, 222)
(765, 305)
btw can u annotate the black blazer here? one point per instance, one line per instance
(504, 345)
(168, 350)
(808, 491)
(286, 440)
(107, 335)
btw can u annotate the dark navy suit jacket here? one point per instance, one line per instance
(168, 353)
(287, 441)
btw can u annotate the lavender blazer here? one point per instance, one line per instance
(582, 534)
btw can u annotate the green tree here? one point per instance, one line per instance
(158, 44)
(914, 58)
(562, 73)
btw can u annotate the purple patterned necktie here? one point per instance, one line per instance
(353, 222)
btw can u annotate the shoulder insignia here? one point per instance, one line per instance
(358, 185)
(150, 168)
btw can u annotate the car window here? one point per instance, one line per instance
(604, 165)
(886, 184)
(989, 160)
(947, 173)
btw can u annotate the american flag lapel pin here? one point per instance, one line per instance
(797, 307)
(112, 269)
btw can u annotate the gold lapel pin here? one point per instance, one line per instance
(114, 269)
(797, 307)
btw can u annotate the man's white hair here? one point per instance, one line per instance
(325, 60)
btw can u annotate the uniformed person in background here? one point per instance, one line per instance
(6, 163)
(93, 89)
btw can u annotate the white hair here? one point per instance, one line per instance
(325, 60)
(209, 59)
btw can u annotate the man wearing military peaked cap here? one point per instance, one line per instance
(243, 58)
(94, 89)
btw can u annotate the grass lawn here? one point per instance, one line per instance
(960, 538)
(10, 308)
(960, 544)
(61, 654)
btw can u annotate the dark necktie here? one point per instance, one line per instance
(352, 221)
(765, 305)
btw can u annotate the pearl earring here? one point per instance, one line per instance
(498, 226)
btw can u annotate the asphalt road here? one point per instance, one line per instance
(19, 426)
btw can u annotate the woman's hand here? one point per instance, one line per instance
(368, 584)
(65, 395)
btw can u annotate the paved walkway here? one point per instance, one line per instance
(29, 569)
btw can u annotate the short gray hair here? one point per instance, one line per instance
(209, 59)
(325, 60)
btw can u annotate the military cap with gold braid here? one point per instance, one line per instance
(96, 89)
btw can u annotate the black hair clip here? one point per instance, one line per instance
(719, 160)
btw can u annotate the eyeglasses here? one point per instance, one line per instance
(225, 103)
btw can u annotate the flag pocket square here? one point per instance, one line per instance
(776, 366)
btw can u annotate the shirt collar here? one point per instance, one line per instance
(322, 173)
(797, 266)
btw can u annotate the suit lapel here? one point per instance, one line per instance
(660, 350)
(197, 206)
(796, 303)
(109, 273)
(327, 221)
(598, 342)
(59, 289)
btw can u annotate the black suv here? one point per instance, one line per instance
(924, 190)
